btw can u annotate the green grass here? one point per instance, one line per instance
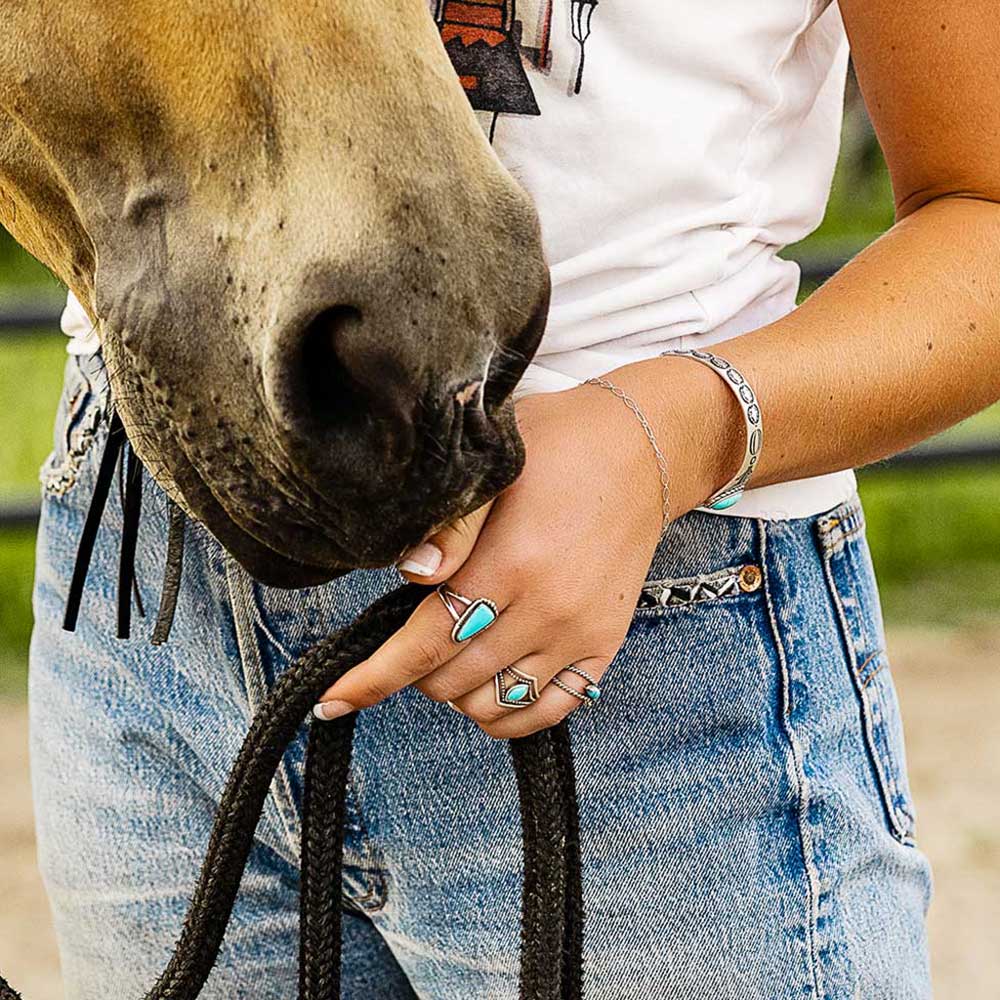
(31, 371)
(935, 540)
(16, 574)
(18, 269)
(31, 374)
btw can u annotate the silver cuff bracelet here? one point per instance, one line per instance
(731, 493)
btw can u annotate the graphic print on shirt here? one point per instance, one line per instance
(490, 42)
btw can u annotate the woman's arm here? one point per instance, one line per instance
(905, 340)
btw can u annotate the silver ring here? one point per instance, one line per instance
(476, 616)
(590, 694)
(514, 688)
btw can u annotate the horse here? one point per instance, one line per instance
(314, 284)
(315, 287)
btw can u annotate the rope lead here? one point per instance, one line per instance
(552, 894)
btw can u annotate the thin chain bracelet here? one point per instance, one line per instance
(641, 417)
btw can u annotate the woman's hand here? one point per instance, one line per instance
(563, 553)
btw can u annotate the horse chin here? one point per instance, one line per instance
(276, 570)
(272, 561)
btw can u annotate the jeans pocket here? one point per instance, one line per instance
(77, 427)
(659, 597)
(851, 579)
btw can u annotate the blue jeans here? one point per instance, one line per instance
(746, 822)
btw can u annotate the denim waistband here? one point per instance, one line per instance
(698, 541)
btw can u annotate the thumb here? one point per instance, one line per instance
(443, 554)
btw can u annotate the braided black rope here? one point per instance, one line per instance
(564, 768)
(552, 911)
(552, 895)
(327, 762)
(274, 727)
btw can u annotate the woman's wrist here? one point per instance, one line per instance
(625, 469)
(697, 422)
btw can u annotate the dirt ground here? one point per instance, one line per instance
(949, 684)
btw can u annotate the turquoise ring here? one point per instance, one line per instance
(590, 695)
(514, 688)
(471, 617)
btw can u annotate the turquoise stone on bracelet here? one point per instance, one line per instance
(728, 502)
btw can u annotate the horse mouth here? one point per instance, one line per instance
(293, 546)
(272, 563)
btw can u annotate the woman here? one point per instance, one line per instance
(747, 827)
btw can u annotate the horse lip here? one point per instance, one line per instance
(280, 568)
(510, 361)
(266, 564)
(287, 573)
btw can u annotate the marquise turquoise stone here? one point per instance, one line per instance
(480, 616)
(593, 693)
(517, 693)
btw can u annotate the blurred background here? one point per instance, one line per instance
(935, 535)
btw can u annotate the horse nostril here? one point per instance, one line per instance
(347, 379)
(332, 392)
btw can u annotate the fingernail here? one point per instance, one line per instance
(423, 560)
(327, 710)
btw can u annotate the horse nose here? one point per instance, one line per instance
(346, 372)
(332, 376)
(370, 378)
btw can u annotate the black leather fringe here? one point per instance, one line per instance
(173, 571)
(85, 550)
(132, 510)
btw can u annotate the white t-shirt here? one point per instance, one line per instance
(670, 156)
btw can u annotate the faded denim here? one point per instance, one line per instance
(748, 831)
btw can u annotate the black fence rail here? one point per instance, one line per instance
(19, 514)
(29, 320)
(34, 321)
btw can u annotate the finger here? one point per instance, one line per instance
(481, 702)
(477, 664)
(552, 706)
(422, 645)
(442, 555)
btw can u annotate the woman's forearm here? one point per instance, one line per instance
(902, 343)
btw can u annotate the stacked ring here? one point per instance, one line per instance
(514, 688)
(590, 694)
